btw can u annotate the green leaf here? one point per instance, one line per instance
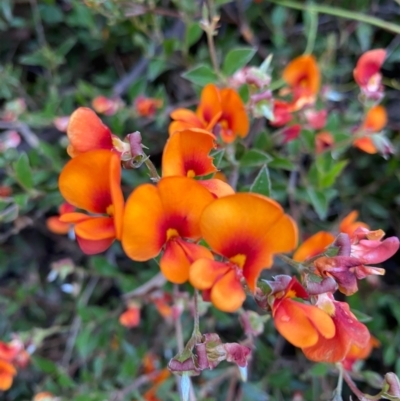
(281, 163)
(45, 365)
(23, 171)
(327, 179)
(319, 201)
(237, 58)
(193, 33)
(217, 156)
(201, 75)
(9, 214)
(254, 157)
(262, 183)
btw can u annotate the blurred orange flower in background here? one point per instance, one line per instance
(303, 77)
(220, 110)
(7, 373)
(131, 317)
(91, 182)
(375, 120)
(105, 105)
(323, 141)
(147, 106)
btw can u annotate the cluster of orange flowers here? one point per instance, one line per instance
(175, 216)
(12, 357)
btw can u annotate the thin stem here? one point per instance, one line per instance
(178, 326)
(196, 325)
(339, 387)
(152, 168)
(231, 157)
(312, 32)
(361, 396)
(298, 266)
(341, 13)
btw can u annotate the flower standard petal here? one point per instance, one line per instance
(87, 132)
(187, 154)
(210, 104)
(85, 181)
(238, 226)
(217, 187)
(116, 195)
(183, 201)
(235, 115)
(184, 119)
(143, 227)
(368, 65)
(375, 119)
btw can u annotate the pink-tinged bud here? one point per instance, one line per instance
(187, 365)
(393, 383)
(290, 133)
(342, 242)
(316, 119)
(9, 139)
(237, 353)
(61, 123)
(279, 284)
(328, 284)
(106, 106)
(135, 141)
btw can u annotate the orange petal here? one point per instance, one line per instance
(303, 73)
(217, 187)
(349, 224)
(87, 132)
(96, 228)
(56, 226)
(7, 373)
(210, 105)
(174, 263)
(74, 217)
(376, 119)
(366, 144)
(204, 272)
(368, 65)
(187, 154)
(313, 246)
(240, 224)
(302, 324)
(184, 119)
(116, 195)
(143, 227)
(92, 247)
(85, 181)
(227, 293)
(130, 318)
(234, 113)
(183, 201)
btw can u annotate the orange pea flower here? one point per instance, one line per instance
(375, 120)
(313, 246)
(367, 72)
(131, 317)
(348, 331)
(166, 217)
(206, 116)
(303, 77)
(105, 105)
(7, 373)
(349, 224)
(323, 141)
(246, 229)
(86, 132)
(149, 364)
(44, 396)
(301, 324)
(147, 106)
(91, 182)
(55, 225)
(186, 154)
(219, 109)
